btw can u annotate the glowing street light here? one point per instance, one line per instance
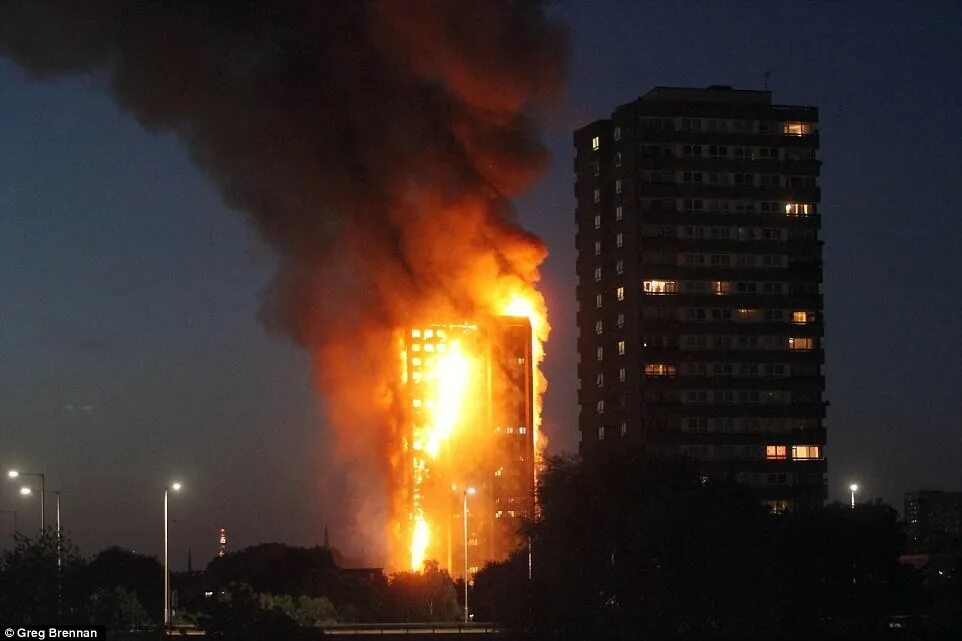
(854, 488)
(15, 474)
(25, 491)
(176, 488)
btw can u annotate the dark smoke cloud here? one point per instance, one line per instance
(374, 144)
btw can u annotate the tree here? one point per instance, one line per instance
(421, 596)
(34, 590)
(237, 614)
(117, 609)
(140, 577)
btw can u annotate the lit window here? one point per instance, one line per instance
(600, 353)
(619, 240)
(806, 452)
(721, 287)
(601, 433)
(659, 369)
(776, 452)
(618, 186)
(799, 209)
(619, 213)
(597, 221)
(597, 248)
(621, 347)
(596, 143)
(597, 274)
(599, 327)
(797, 128)
(799, 318)
(600, 407)
(415, 333)
(597, 195)
(522, 430)
(660, 287)
(777, 507)
(598, 301)
(620, 293)
(600, 380)
(428, 333)
(798, 344)
(429, 347)
(416, 347)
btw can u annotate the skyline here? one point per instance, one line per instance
(134, 290)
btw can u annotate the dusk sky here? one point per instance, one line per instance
(131, 352)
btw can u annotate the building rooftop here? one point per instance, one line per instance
(712, 93)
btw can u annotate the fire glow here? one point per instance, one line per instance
(459, 431)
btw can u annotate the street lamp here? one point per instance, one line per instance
(464, 518)
(13, 474)
(176, 488)
(854, 488)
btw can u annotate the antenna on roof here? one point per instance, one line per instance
(768, 74)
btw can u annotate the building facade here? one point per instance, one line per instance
(933, 522)
(699, 287)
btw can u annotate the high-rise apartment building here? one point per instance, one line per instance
(933, 521)
(699, 287)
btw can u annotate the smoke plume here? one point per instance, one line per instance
(374, 144)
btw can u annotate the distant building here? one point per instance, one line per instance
(933, 521)
(221, 541)
(700, 287)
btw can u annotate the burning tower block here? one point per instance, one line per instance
(469, 423)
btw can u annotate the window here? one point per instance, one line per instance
(800, 318)
(621, 375)
(618, 186)
(617, 133)
(692, 177)
(619, 240)
(660, 369)
(597, 301)
(620, 321)
(597, 221)
(596, 143)
(721, 287)
(691, 124)
(601, 433)
(806, 452)
(620, 267)
(620, 293)
(597, 168)
(745, 179)
(597, 195)
(797, 344)
(692, 150)
(600, 353)
(618, 213)
(618, 159)
(621, 348)
(600, 380)
(797, 128)
(624, 428)
(600, 407)
(597, 248)
(717, 151)
(799, 209)
(660, 286)
(597, 274)
(776, 452)
(599, 327)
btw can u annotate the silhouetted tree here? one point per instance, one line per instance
(138, 576)
(238, 614)
(33, 589)
(421, 596)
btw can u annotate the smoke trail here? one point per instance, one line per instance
(374, 144)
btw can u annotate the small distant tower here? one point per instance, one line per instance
(221, 542)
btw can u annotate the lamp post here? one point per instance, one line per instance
(176, 488)
(12, 474)
(464, 518)
(853, 488)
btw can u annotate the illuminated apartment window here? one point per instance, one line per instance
(600, 380)
(415, 333)
(777, 507)
(797, 128)
(660, 286)
(597, 248)
(599, 327)
(597, 195)
(621, 347)
(619, 213)
(799, 318)
(659, 369)
(620, 267)
(721, 287)
(620, 293)
(600, 353)
(597, 274)
(416, 347)
(798, 344)
(601, 433)
(598, 301)
(596, 143)
(618, 186)
(621, 375)
(799, 209)
(776, 452)
(619, 240)
(806, 452)
(600, 407)
(597, 221)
